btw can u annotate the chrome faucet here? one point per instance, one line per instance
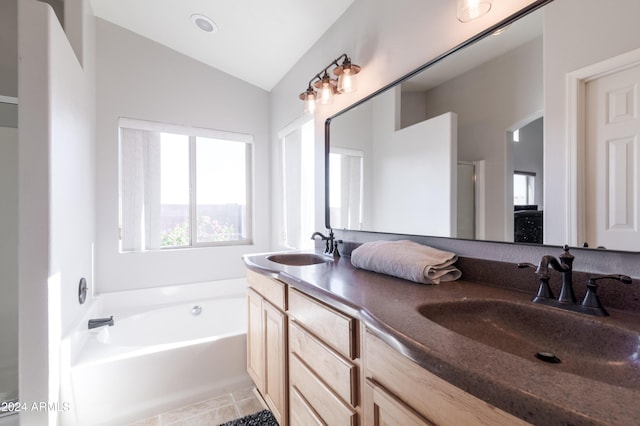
(331, 246)
(567, 300)
(100, 322)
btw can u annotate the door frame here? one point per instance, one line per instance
(576, 136)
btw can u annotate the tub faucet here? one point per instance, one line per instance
(100, 322)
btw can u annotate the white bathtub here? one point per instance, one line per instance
(160, 356)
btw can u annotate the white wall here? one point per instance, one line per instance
(484, 116)
(588, 44)
(414, 169)
(56, 121)
(137, 78)
(9, 262)
(388, 39)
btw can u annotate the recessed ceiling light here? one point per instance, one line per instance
(204, 23)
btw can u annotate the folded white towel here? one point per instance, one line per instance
(408, 260)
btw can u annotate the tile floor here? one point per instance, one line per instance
(208, 413)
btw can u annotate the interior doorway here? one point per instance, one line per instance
(526, 202)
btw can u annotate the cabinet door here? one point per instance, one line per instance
(255, 340)
(275, 328)
(390, 411)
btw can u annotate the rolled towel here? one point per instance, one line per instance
(408, 260)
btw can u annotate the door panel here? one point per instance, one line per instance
(612, 161)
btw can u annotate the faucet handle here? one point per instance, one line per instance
(591, 301)
(544, 291)
(336, 252)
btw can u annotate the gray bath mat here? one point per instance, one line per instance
(261, 418)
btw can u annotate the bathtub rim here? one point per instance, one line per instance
(75, 340)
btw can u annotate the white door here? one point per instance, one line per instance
(612, 215)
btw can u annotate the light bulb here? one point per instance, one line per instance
(309, 99)
(346, 81)
(310, 103)
(326, 92)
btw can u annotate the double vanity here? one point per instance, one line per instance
(332, 344)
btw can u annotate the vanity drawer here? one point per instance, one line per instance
(271, 289)
(424, 392)
(300, 412)
(334, 369)
(334, 328)
(319, 397)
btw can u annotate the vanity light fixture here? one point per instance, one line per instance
(468, 10)
(327, 86)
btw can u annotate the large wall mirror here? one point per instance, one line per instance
(9, 215)
(457, 148)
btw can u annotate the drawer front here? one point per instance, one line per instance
(300, 412)
(427, 394)
(271, 289)
(337, 371)
(321, 399)
(334, 328)
(389, 410)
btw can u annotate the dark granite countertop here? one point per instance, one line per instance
(537, 392)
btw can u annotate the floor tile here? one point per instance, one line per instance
(210, 412)
(248, 406)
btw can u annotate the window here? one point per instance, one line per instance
(345, 187)
(182, 187)
(523, 188)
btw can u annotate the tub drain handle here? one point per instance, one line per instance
(196, 310)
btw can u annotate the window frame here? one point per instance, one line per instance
(193, 133)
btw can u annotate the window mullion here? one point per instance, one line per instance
(193, 210)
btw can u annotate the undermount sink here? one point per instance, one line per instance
(298, 259)
(585, 347)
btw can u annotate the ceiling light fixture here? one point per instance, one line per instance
(468, 10)
(327, 86)
(204, 23)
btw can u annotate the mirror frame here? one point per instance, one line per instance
(327, 124)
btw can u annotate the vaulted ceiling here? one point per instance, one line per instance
(256, 40)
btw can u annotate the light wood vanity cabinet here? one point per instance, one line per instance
(323, 363)
(267, 342)
(315, 365)
(399, 392)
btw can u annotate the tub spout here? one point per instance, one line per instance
(100, 322)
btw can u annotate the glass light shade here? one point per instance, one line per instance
(468, 10)
(347, 81)
(346, 76)
(309, 98)
(326, 93)
(326, 88)
(310, 104)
